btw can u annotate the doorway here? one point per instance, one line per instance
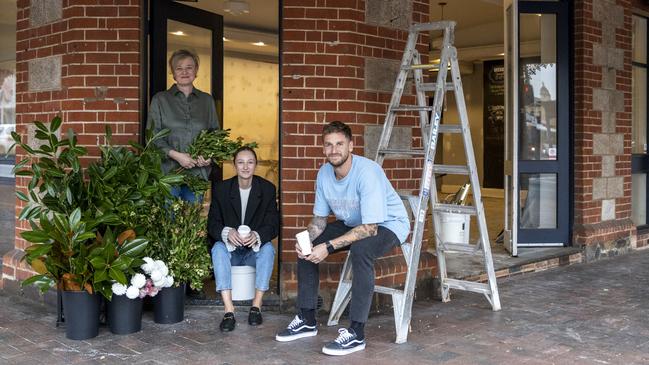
(542, 200)
(238, 49)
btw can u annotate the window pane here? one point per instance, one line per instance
(538, 89)
(639, 125)
(639, 200)
(538, 201)
(639, 39)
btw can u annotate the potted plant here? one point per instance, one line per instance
(71, 216)
(177, 232)
(125, 307)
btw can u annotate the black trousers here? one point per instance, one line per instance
(363, 254)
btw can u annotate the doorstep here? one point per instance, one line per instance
(529, 260)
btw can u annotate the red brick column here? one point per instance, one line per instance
(82, 62)
(330, 49)
(602, 124)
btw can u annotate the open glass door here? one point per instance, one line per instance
(537, 154)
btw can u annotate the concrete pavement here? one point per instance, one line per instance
(580, 314)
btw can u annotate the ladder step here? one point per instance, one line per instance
(447, 247)
(413, 201)
(396, 151)
(432, 86)
(451, 169)
(467, 285)
(411, 108)
(454, 208)
(386, 290)
(450, 128)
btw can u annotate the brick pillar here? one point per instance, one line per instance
(602, 161)
(81, 62)
(340, 59)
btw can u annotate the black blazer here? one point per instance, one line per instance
(261, 212)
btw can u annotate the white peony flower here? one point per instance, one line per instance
(169, 281)
(118, 289)
(138, 280)
(156, 275)
(160, 283)
(132, 292)
(148, 266)
(160, 266)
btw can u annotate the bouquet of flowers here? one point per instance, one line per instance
(141, 285)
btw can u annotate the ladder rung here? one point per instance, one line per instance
(438, 25)
(454, 208)
(432, 86)
(467, 285)
(411, 108)
(413, 200)
(396, 151)
(386, 290)
(451, 169)
(450, 128)
(458, 247)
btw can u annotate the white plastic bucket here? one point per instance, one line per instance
(454, 227)
(243, 282)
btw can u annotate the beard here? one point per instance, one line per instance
(343, 159)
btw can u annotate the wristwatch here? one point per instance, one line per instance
(330, 247)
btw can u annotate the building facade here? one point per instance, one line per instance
(88, 62)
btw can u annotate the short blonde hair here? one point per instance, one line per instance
(180, 55)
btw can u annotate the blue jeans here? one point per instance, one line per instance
(263, 261)
(184, 192)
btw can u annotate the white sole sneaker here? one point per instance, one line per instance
(336, 352)
(296, 336)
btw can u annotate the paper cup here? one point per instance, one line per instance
(304, 241)
(244, 231)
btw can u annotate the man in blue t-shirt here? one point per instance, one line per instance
(370, 220)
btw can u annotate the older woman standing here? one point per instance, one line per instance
(185, 111)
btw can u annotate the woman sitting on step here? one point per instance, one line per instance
(242, 221)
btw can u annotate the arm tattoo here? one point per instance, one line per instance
(355, 234)
(316, 227)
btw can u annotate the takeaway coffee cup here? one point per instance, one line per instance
(304, 242)
(244, 231)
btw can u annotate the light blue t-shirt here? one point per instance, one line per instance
(364, 196)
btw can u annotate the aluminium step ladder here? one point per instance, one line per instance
(402, 299)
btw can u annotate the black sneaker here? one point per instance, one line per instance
(346, 343)
(296, 329)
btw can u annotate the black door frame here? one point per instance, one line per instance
(561, 166)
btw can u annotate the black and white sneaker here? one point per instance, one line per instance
(296, 329)
(346, 343)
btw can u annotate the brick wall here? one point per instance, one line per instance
(602, 124)
(340, 60)
(79, 59)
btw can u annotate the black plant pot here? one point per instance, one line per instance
(81, 311)
(124, 315)
(169, 305)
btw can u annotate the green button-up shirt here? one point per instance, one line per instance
(185, 117)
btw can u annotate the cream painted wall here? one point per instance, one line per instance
(251, 109)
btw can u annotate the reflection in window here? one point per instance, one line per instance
(538, 201)
(538, 89)
(639, 81)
